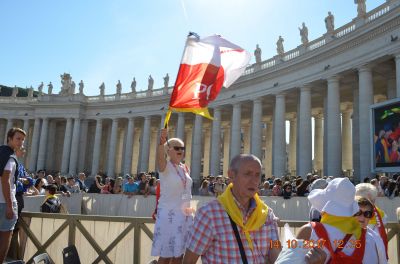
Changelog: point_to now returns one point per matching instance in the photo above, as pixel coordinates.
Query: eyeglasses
(366, 214)
(176, 148)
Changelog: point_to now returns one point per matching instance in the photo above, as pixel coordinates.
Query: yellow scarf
(255, 221)
(373, 220)
(50, 196)
(346, 224)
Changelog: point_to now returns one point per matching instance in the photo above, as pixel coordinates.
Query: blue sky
(106, 41)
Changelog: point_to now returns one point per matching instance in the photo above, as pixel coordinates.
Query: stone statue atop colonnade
(67, 85)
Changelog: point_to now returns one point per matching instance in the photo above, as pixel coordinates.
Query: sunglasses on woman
(176, 148)
(366, 214)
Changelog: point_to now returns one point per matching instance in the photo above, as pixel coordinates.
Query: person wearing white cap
(339, 233)
(379, 219)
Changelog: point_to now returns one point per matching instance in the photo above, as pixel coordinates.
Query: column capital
(317, 113)
(217, 109)
(291, 116)
(396, 56)
(333, 79)
(257, 101)
(131, 118)
(148, 117)
(236, 104)
(305, 88)
(346, 107)
(365, 68)
(280, 95)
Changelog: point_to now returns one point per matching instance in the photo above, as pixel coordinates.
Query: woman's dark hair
(37, 182)
(391, 186)
(302, 188)
(152, 181)
(52, 189)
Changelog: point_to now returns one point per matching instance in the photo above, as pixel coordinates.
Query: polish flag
(206, 66)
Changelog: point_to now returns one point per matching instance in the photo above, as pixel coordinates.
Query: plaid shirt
(213, 238)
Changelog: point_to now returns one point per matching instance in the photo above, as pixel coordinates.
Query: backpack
(51, 205)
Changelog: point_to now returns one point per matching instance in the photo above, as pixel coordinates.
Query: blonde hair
(367, 190)
(172, 142)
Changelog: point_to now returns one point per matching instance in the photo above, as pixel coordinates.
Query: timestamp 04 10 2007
(320, 243)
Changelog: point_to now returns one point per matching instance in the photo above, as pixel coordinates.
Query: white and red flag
(207, 65)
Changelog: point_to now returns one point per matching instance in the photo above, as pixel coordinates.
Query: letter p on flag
(207, 65)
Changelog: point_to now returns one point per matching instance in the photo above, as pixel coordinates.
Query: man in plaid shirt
(212, 235)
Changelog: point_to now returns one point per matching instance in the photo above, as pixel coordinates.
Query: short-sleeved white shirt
(10, 166)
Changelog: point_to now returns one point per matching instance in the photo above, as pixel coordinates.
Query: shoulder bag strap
(239, 241)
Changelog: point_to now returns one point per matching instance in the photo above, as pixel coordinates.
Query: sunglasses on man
(176, 148)
(366, 214)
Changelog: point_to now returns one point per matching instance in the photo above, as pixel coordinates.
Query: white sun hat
(336, 199)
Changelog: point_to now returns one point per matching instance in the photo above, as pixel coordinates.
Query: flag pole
(169, 112)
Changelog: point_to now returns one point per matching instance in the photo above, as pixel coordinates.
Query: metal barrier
(74, 223)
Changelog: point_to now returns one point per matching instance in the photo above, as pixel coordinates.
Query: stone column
(292, 145)
(318, 143)
(246, 137)
(43, 144)
(397, 61)
(195, 168)
(391, 88)
(136, 149)
(83, 145)
(34, 145)
(215, 156)
(129, 146)
(347, 145)
(26, 143)
(333, 129)
(268, 150)
(3, 133)
(112, 149)
(236, 142)
(256, 128)
(97, 146)
(365, 99)
(180, 128)
(73, 160)
(227, 139)
(67, 147)
(145, 150)
(51, 154)
(279, 139)
(206, 153)
(304, 141)
(356, 132)
(8, 127)
(188, 145)
(154, 139)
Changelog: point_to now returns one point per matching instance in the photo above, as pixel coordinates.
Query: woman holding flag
(174, 215)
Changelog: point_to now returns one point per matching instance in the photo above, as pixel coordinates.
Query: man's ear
(231, 174)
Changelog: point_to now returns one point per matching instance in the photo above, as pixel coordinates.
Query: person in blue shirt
(131, 188)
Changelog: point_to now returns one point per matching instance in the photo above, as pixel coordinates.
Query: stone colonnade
(121, 145)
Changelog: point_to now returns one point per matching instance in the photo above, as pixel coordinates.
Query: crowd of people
(289, 186)
(235, 227)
